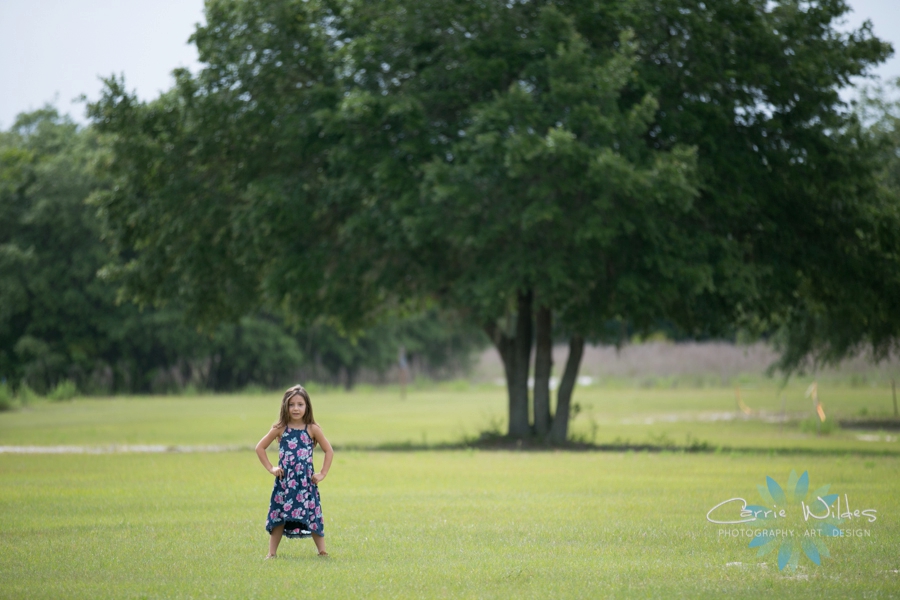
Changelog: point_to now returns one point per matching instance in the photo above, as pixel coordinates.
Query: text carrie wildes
(819, 509)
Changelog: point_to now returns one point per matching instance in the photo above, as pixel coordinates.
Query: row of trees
(59, 322)
(544, 170)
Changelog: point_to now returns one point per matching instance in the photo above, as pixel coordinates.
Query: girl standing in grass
(295, 510)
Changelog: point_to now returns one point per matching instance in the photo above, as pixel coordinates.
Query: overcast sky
(55, 50)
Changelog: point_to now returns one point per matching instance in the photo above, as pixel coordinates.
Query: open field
(454, 523)
(460, 524)
(373, 417)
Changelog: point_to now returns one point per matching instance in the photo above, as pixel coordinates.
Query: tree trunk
(351, 371)
(515, 352)
(559, 431)
(519, 426)
(543, 365)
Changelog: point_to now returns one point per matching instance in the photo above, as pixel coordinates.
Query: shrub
(26, 394)
(809, 425)
(6, 398)
(64, 390)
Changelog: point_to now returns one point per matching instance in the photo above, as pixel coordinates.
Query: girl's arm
(319, 436)
(261, 451)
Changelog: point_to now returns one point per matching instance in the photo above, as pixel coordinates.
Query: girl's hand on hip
(277, 472)
(316, 478)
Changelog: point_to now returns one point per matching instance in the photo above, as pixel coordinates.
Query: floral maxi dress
(295, 498)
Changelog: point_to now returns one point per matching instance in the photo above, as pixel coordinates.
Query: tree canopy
(59, 322)
(543, 168)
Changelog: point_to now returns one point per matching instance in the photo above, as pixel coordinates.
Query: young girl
(295, 510)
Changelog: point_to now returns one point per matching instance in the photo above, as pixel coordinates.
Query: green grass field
(370, 418)
(444, 523)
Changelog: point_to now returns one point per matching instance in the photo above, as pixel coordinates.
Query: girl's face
(297, 408)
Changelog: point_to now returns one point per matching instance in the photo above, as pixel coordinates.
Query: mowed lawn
(445, 523)
(453, 524)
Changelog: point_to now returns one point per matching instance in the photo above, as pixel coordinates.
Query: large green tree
(526, 163)
(47, 317)
(551, 198)
(801, 240)
(58, 321)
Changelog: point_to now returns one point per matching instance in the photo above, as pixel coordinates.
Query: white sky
(55, 50)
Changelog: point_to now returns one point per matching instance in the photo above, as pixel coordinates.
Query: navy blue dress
(295, 498)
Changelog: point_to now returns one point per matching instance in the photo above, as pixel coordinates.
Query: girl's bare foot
(322, 553)
(268, 556)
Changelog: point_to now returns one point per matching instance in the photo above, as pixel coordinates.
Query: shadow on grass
(491, 440)
(885, 424)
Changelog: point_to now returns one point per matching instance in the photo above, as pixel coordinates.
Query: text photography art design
(795, 522)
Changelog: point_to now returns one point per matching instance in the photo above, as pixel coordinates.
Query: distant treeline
(60, 321)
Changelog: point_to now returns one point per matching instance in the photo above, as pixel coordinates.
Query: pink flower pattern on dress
(295, 457)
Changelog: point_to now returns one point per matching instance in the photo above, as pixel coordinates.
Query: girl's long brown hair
(285, 416)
